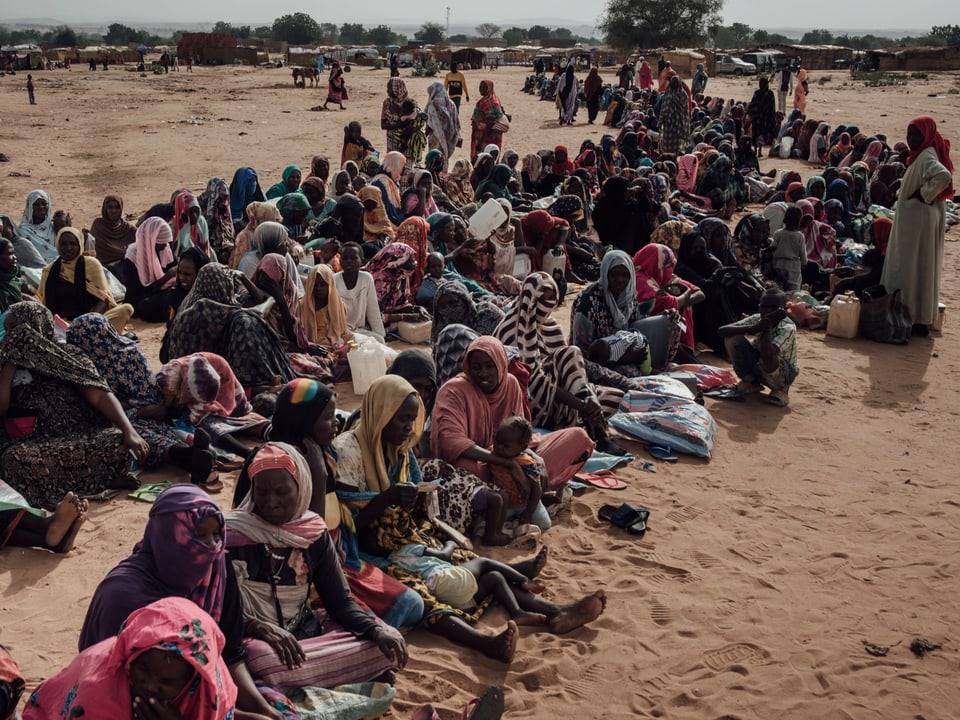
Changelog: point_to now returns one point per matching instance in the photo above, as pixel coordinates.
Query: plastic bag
(680, 424)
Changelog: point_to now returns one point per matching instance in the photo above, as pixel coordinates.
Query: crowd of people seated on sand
(666, 238)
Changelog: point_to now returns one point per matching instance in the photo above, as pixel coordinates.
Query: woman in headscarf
(35, 233)
(11, 290)
(244, 189)
(376, 224)
(724, 187)
(188, 266)
(458, 187)
(763, 116)
(751, 239)
(592, 91)
(453, 304)
(914, 259)
(148, 269)
(114, 234)
(417, 200)
(322, 310)
(393, 270)
(657, 291)
(269, 237)
(567, 95)
(624, 218)
(120, 678)
(289, 183)
(839, 150)
(483, 165)
(391, 114)
(74, 284)
(443, 121)
(294, 207)
(496, 185)
(212, 320)
(72, 411)
(285, 552)
(674, 118)
(256, 212)
(800, 90)
(387, 181)
(189, 226)
(336, 87)
(278, 280)
(819, 238)
(818, 145)
(215, 203)
(489, 120)
(699, 83)
(559, 393)
(125, 369)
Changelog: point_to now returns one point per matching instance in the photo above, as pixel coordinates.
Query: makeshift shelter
(911, 59)
(468, 57)
(684, 62)
(815, 57)
(195, 44)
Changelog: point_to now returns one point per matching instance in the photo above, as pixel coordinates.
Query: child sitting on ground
(463, 586)
(522, 486)
(411, 135)
(355, 146)
(431, 281)
(770, 359)
(789, 250)
(624, 347)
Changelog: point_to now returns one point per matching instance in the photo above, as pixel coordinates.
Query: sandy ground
(812, 530)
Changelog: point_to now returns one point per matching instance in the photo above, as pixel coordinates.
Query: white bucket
(488, 218)
(367, 363)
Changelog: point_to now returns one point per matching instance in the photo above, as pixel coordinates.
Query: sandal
(662, 452)
(213, 484)
(625, 516)
(602, 479)
(488, 706)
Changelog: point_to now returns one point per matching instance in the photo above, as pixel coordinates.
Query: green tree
(382, 35)
(329, 33)
(119, 34)
(297, 28)
(487, 30)
(430, 33)
(64, 36)
(514, 36)
(628, 24)
(352, 34)
(562, 33)
(817, 37)
(458, 39)
(948, 34)
(763, 38)
(21, 37)
(264, 32)
(538, 32)
(742, 34)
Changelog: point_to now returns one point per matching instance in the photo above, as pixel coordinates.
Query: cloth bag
(884, 317)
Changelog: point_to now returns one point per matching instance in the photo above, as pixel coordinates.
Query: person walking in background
(33, 99)
(456, 85)
(784, 80)
(592, 90)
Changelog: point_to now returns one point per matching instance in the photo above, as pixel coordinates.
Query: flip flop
(149, 492)
(662, 452)
(213, 484)
(604, 479)
(488, 706)
(624, 516)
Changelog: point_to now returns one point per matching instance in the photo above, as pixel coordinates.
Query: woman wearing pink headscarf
(148, 268)
(659, 291)
(800, 91)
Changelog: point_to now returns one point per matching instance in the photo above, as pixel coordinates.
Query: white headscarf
(42, 236)
(621, 307)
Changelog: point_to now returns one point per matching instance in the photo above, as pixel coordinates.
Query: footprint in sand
(660, 613)
(739, 653)
(705, 561)
(757, 553)
(585, 685)
(684, 514)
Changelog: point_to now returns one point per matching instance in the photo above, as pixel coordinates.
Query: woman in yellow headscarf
(75, 284)
(256, 212)
(322, 312)
(376, 222)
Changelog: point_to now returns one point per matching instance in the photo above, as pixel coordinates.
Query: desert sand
(811, 531)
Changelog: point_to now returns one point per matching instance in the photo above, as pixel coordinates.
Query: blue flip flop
(662, 452)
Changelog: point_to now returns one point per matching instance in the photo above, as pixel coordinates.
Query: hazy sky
(876, 14)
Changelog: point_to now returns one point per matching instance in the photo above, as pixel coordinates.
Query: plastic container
(844, 318)
(786, 145)
(522, 266)
(415, 333)
(555, 259)
(367, 363)
(941, 316)
(488, 218)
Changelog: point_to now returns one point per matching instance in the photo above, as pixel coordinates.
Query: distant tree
(817, 37)
(352, 34)
(538, 32)
(948, 34)
(63, 36)
(430, 33)
(458, 39)
(382, 35)
(329, 33)
(487, 30)
(21, 37)
(119, 34)
(264, 32)
(561, 33)
(628, 24)
(858, 42)
(177, 35)
(514, 36)
(742, 34)
(297, 28)
(224, 28)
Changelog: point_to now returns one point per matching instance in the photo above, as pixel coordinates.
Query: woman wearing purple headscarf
(182, 554)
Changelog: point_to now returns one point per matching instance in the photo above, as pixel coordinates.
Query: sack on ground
(681, 424)
(884, 317)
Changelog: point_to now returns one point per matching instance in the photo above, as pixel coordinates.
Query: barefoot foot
(69, 540)
(580, 613)
(503, 646)
(496, 539)
(532, 568)
(62, 518)
(529, 618)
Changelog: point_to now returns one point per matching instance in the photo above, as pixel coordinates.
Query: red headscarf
(931, 138)
(654, 264)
